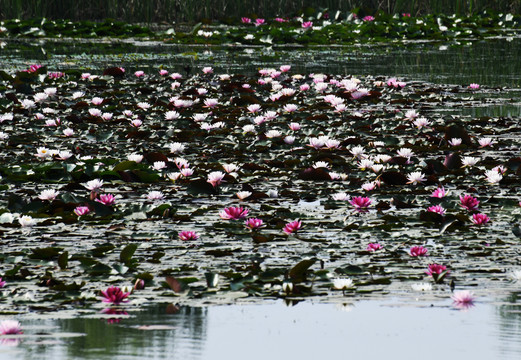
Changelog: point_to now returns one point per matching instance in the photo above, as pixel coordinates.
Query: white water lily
(421, 287)
(343, 283)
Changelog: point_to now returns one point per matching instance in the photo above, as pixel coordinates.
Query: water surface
(429, 328)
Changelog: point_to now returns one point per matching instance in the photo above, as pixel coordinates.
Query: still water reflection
(363, 330)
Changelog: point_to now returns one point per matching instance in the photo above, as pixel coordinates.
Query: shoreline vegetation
(227, 11)
(321, 28)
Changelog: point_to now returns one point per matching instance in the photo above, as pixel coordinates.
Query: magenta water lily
(115, 295)
(292, 227)
(233, 213)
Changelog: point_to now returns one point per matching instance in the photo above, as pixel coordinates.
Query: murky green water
(428, 328)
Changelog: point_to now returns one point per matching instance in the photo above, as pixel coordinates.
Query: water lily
(48, 195)
(115, 295)
(374, 247)
(463, 299)
(493, 176)
(42, 152)
(254, 223)
(469, 202)
(143, 105)
(155, 195)
(437, 271)
(358, 152)
(135, 157)
(26, 221)
(159, 165)
(243, 194)
(341, 196)
(416, 177)
(215, 178)
(172, 115)
(188, 235)
(343, 283)
(439, 193)
(177, 147)
(455, 142)
(411, 114)
(469, 161)
(484, 142)
(94, 185)
(106, 199)
(421, 287)
(97, 101)
(10, 327)
(421, 122)
(233, 213)
(230, 168)
(292, 227)
(360, 203)
(81, 210)
(290, 108)
(186, 172)
(438, 209)
(369, 186)
(95, 112)
(418, 251)
(480, 219)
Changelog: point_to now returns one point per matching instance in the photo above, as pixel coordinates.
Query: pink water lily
(233, 213)
(480, 219)
(106, 199)
(463, 299)
(436, 269)
(81, 210)
(114, 295)
(215, 178)
(292, 227)
(374, 247)
(188, 235)
(254, 223)
(360, 203)
(417, 251)
(439, 193)
(10, 327)
(469, 202)
(438, 209)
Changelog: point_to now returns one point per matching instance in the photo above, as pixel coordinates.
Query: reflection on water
(510, 325)
(364, 330)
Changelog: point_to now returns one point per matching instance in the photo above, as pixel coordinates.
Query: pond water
(427, 328)
(491, 63)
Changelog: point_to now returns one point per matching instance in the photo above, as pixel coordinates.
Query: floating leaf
(127, 252)
(298, 272)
